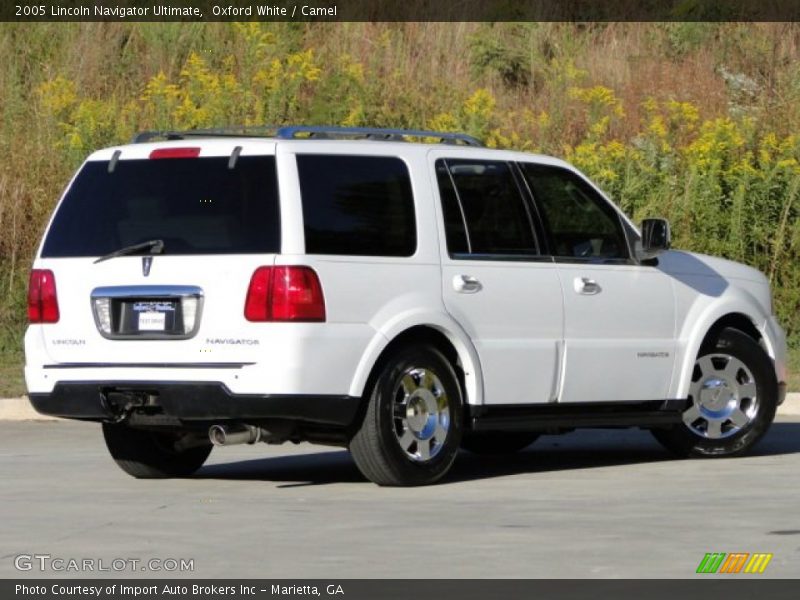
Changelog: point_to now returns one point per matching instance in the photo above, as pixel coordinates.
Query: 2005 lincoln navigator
(402, 299)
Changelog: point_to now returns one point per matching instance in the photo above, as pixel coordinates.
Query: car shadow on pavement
(587, 449)
(313, 468)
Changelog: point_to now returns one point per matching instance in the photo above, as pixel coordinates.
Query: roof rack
(292, 132)
(375, 133)
(237, 132)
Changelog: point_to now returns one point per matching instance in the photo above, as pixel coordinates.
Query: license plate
(152, 321)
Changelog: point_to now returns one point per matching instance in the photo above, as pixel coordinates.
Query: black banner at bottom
(729, 588)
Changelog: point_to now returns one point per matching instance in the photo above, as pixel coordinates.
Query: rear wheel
(733, 397)
(154, 455)
(411, 431)
(498, 442)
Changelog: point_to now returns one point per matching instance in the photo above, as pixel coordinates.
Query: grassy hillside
(693, 121)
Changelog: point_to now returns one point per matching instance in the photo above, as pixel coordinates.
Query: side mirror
(656, 237)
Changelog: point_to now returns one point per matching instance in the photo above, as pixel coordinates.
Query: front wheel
(155, 455)
(412, 427)
(732, 399)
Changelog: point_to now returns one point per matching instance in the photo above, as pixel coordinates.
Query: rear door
(213, 212)
(619, 328)
(496, 281)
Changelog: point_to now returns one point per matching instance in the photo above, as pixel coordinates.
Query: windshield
(195, 205)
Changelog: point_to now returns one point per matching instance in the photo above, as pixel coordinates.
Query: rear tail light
(42, 297)
(256, 305)
(284, 294)
(296, 295)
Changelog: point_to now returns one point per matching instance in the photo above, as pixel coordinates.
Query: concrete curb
(19, 409)
(790, 406)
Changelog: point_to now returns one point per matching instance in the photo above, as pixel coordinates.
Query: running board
(548, 417)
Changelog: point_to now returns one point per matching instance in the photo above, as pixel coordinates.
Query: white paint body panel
(526, 337)
(515, 322)
(620, 341)
(707, 289)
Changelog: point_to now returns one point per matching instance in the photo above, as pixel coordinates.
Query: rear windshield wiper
(154, 246)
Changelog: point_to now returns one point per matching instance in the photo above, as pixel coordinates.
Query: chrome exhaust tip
(226, 435)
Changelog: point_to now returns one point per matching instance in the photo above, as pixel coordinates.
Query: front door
(619, 327)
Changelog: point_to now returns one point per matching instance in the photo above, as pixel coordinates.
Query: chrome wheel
(421, 413)
(412, 427)
(723, 396)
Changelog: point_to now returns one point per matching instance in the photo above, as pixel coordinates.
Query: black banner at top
(399, 10)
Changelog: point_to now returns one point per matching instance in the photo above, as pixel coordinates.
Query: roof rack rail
(291, 132)
(375, 133)
(238, 131)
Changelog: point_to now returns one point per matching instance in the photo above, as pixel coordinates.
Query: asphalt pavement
(588, 504)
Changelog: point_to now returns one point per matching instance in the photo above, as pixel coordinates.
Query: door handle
(586, 286)
(466, 284)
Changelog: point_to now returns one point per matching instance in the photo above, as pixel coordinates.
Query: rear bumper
(207, 401)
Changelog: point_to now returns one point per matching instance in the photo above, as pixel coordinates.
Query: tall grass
(692, 121)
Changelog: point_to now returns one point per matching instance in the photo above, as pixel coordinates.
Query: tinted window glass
(581, 223)
(497, 219)
(357, 205)
(195, 205)
(455, 231)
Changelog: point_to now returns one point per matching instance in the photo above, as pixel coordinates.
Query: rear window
(195, 205)
(357, 205)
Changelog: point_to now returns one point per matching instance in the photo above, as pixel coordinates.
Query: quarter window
(581, 223)
(484, 210)
(357, 205)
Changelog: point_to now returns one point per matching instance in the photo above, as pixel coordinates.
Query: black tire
(152, 455)
(498, 443)
(376, 446)
(684, 441)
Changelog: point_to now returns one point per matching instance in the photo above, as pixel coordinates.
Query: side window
(357, 205)
(454, 225)
(580, 222)
(484, 210)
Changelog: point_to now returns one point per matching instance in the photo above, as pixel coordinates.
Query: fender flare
(698, 324)
(444, 324)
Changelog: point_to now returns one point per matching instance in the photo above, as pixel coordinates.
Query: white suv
(403, 299)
